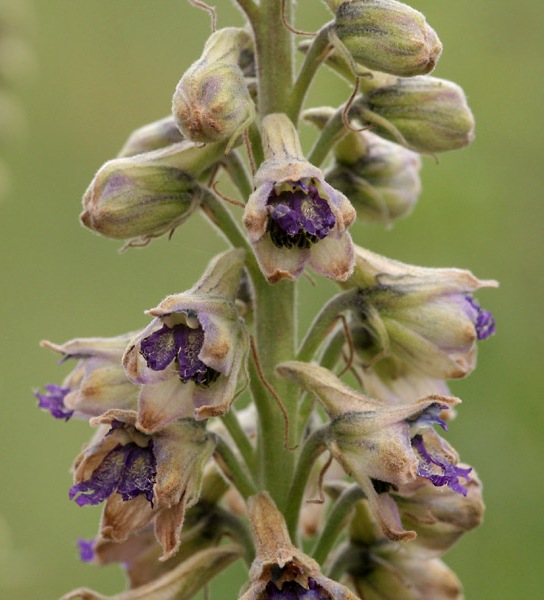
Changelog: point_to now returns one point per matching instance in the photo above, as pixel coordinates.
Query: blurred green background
(104, 67)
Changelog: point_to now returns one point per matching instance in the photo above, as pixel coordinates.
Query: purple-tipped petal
(128, 469)
(86, 549)
(438, 470)
(53, 401)
(298, 217)
(291, 590)
(484, 322)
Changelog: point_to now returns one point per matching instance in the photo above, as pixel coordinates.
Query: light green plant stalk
(220, 416)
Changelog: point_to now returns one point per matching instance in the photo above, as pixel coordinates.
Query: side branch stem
(313, 447)
(229, 464)
(316, 55)
(336, 521)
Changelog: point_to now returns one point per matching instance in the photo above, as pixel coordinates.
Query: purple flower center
(484, 322)
(53, 401)
(291, 590)
(437, 469)
(182, 344)
(128, 469)
(298, 216)
(86, 550)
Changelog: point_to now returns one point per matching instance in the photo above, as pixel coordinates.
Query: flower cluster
(215, 419)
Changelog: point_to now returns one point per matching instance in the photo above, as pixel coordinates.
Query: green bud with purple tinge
(211, 102)
(425, 114)
(386, 36)
(144, 196)
(380, 178)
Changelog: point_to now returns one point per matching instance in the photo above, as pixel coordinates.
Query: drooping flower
(97, 383)
(281, 571)
(425, 317)
(294, 217)
(374, 440)
(189, 359)
(143, 479)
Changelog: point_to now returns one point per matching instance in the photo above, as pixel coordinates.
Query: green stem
(333, 131)
(313, 447)
(317, 53)
(238, 174)
(274, 55)
(343, 561)
(250, 8)
(239, 530)
(322, 323)
(228, 462)
(275, 342)
(328, 359)
(239, 437)
(336, 522)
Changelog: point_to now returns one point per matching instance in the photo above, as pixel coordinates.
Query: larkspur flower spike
(294, 217)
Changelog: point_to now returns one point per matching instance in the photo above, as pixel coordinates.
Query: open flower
(97, 383)
(281, 571)
(382, 445)
(189, 358)
(142, 478)
(294, 216)
(425, 317)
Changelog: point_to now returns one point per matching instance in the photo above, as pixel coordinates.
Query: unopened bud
(211, 102)
(144, 196)
(425, 114)
(152, 136)
(380, 178)
(386, 36)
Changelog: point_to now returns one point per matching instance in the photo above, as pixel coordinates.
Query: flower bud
(211, 102)
(386, 36)
(144, 196)
(152, 136)
(380, 178)
(425, 114)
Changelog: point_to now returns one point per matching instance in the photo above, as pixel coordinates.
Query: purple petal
(189, 342)
(299, 217)
(484, 322)
(438, 470)
(159, 349)
(53, 401)
(86, 549)
(139, 474)
(130, 470)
